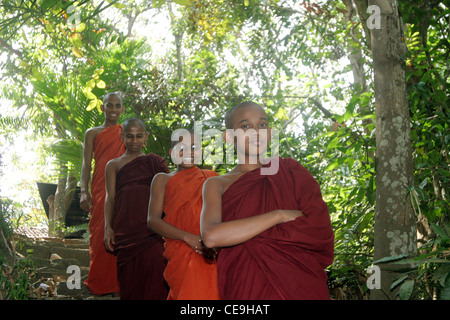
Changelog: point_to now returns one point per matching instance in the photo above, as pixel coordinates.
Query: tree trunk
(354, 52)
(395, 222)
(60, 203)
(5, 249)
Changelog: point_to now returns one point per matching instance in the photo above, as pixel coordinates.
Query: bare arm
(110, 187)
(155, 211)
(216, 233)
(88, 150)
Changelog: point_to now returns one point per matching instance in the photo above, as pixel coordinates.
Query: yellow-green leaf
(119, 5)
(36, 74)
(90, 84)
(281, 114)
(43, 53)
(80, 27)
(181, 2)
(331, 166)
(90, 95)
(24, 64)
(76, 51)
(101, 84)
(333, 144)
(158, 3)
(92, 105)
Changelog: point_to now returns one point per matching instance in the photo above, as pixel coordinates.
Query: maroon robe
(140, 261)
(288, 260)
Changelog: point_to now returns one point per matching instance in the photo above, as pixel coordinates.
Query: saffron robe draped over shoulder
(188, 274)
(140, 261)
(288, 260)
(102, 277)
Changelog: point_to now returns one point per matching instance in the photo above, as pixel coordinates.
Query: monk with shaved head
(102, 144)
(140, 261)
(272, 227)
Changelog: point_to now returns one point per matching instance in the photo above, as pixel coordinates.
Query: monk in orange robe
(103, 143)
(188, 273)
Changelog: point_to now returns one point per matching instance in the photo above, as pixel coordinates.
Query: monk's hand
(210, 254)
(195, 242)
(289, 215)
(85, 201)
(109, 239)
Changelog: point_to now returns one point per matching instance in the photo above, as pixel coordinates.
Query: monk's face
(134, 139)
(188, 152)
(113, 108)
(251, 130)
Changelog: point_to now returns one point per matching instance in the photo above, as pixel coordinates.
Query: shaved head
(108, 95)
(230, 113)
(133, 122)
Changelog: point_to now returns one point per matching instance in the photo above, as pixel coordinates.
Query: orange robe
(187, 273)
(102, 277)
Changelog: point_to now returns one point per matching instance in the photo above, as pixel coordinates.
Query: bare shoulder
(161, 178)
(112, 164)
(217, 183)
(91, 133)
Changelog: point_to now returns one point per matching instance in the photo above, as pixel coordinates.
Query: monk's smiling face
(187, 153)
(251, 130)
(134, 138)
(112, 107)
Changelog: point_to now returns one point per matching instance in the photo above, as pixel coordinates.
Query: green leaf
(119, 5)
(441, 274)
(77, 52)
(181, 2)
(158, 3)
(445, 293)
(390, 258)
(332, 165)
(406, 290)
(37, 75)
(24, 64)
(423, 183)
(439, 231)
(44, 53)
(333, 144)
(398, 281)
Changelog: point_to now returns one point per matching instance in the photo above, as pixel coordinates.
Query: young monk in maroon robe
(274, 229)
(179, 196)
(103, 143)
(140, 261)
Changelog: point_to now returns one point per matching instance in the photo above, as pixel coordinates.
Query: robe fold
(188, 274)
(288, 260)
(140, 261)
(102, 277)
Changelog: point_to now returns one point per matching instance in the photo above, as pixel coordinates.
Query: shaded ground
(60, 265)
